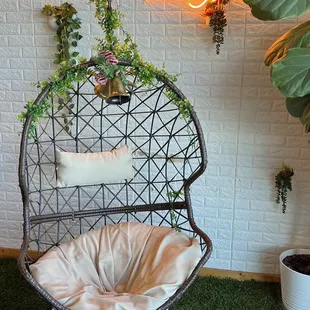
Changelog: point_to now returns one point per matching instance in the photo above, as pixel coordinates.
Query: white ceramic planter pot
(295, 286)
(51, 21)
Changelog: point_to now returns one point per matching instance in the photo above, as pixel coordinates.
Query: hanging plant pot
(51, 21)
(295, 286)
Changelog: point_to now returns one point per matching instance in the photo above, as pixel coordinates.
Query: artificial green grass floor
(206, 293)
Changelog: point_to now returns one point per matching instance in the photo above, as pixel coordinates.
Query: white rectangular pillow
(93, 168)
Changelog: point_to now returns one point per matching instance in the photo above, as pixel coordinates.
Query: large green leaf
(305, 118)
(291, 73)
(277, 9)
(299, 36)
(307, 128)
(296, 106)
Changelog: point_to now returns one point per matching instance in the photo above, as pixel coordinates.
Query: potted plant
(294, 264)
(289, 59)
(64, 21)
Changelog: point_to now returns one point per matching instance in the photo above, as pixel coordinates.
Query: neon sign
(202, 3)
(197, 6)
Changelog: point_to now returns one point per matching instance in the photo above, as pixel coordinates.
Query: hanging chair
(142, 227)
(105, 182)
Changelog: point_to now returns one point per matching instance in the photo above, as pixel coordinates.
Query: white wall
(248, 131)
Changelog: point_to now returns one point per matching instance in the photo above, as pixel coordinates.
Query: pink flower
(109, 56)
(101, 78)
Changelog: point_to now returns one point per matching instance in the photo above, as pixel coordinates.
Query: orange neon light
(199, 5)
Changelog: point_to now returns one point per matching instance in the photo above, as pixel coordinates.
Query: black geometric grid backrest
(166, 152)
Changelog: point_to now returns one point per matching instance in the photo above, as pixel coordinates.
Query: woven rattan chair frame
(47, 222)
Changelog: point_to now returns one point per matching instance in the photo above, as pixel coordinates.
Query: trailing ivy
(67, 35)
(184, 106)
(125, 50)
(58, 85)
(283, 182)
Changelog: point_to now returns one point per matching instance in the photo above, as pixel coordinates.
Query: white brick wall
(247, 129)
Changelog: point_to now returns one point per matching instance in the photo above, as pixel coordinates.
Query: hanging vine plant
(103, 67)
(67, 37)
(215, 9)
(67, 34)
(283, 183)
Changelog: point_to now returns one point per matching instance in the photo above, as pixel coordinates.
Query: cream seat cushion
(121, 267)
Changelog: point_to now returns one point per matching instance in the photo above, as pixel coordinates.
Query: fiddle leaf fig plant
(291, 73)
(298, 36)
(289, 56)
(277, 9)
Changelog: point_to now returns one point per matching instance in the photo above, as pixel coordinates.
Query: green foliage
(37, 111)
(277, 9)
(184, 106)
(67, 35)
(296, 106)
(215, 10)
(289, 56)
(291, 73)
(126, 50)
(298, 36)
(283, 182)
(111, 20)
(305, 117)
(174, 221)
(218, 23)
(175, 194)
(59, 83)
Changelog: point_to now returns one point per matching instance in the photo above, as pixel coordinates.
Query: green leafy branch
(183, 105)
(289, 56)
(125, 50)
(58, 84)
(67, 35)
(147, 74)
(174, 195)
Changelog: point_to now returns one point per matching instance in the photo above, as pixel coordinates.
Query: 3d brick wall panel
(248, 131)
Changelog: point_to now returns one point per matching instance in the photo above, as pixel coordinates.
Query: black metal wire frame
(169, 155)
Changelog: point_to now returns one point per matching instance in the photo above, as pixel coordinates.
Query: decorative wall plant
(67, 37)
(289, 56)
(283, 183)
(215, 10)
(67, 34)
(64, 78)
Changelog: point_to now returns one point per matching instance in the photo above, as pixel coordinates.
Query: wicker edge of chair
(22, 259)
